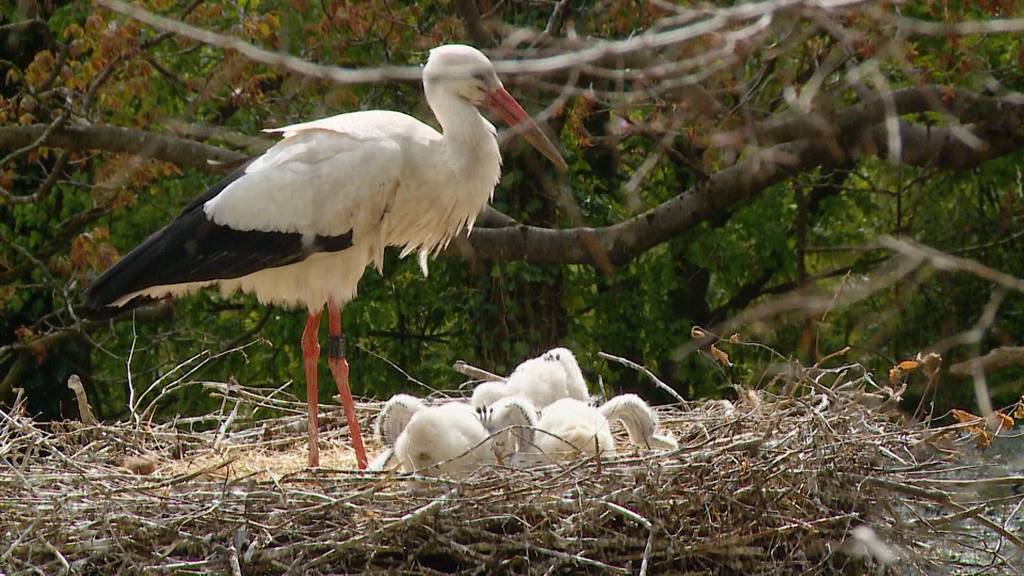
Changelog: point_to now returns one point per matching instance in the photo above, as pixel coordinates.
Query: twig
(128, 370)
(236, 568)
(84, 410)
(657, 381)
(557, 18)
(644, 563)
(768, 489)
(947, 262)
(596, 51)
(408, 376)
(476, 373)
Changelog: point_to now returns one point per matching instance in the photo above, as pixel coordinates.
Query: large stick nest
(823, 477)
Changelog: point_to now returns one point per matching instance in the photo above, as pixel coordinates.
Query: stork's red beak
(504, 105)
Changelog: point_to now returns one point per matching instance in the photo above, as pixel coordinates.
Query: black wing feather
(192, 248)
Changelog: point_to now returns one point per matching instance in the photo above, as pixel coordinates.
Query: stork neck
(468, 139)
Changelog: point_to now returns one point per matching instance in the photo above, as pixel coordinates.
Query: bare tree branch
(993, 26)
(997, 359)
(557, 19)
(47, 130)
(993, 118)
(43, 189)
(810, 300)
(290, 63)
(943, 261)
(965, 107)
(654, 39)
(153, 313)
(629, 238)
(729, 188)
(180, 151)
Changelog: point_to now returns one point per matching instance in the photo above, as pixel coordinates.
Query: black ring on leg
(336, 346)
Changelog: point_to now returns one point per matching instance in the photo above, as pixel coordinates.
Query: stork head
(487, 393)
(463, 72)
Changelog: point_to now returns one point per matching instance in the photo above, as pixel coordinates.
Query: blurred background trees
(733, 166)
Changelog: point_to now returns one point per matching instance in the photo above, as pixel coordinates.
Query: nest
(823, 477)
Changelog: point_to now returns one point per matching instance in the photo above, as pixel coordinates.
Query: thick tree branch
(180, 151)
(999, 127)
(24, 27)
(997, 359)
(998, 124)
(491, 217)
(629, 238)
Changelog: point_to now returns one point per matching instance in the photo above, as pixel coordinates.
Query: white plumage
(512, 422)
(385, 176)
(451, 439)
(447, 440)
(569, 427)
(542, 380)
(393, 418)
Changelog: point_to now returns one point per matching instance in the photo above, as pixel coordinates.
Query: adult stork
(298, 225)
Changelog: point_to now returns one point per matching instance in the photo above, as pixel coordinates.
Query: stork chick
(450, 439)
(512, 422)
(393, 418)
(569, 427)
(541, 380)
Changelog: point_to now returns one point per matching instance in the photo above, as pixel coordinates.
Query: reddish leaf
(963, 416)
(719, 356)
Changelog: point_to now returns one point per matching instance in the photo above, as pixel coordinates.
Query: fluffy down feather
(542, 380)
(569, 428)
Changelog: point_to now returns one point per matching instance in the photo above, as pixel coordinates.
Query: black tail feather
(192, 248)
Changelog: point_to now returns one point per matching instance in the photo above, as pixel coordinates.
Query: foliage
(810, 230)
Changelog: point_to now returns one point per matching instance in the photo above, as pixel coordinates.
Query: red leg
(310, 354)
(339, 368)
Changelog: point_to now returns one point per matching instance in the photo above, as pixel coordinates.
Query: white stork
(298, 225)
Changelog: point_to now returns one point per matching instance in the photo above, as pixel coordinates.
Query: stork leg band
(336, 346)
